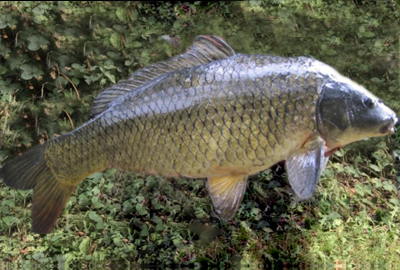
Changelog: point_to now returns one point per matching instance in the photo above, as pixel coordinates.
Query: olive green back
(230, 115)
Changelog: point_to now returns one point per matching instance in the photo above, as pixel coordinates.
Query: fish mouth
(388, 127)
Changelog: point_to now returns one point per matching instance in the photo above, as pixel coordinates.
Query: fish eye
(369, 103)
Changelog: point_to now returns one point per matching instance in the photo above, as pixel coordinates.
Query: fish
(207, 113)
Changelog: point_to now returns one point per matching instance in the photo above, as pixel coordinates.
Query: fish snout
(388, 124)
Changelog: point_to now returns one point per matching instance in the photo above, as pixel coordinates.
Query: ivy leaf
(36, 42)
(16, 61)
(7, 20)
(3, 70)
(4, 50)
(29, 72)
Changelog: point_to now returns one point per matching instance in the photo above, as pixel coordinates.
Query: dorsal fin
(204, 49)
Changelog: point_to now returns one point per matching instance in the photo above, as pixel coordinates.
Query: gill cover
(347, 112)
(332, 112)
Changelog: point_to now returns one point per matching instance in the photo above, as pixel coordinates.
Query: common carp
(208, 113)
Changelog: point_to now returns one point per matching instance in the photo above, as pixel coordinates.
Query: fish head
(347, 112)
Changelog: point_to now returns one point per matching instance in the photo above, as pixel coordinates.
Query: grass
(117, 218)
(122, 220)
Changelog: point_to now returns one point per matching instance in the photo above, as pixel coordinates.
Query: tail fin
(49, 195)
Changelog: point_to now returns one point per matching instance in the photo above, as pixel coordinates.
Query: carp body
(209, 113)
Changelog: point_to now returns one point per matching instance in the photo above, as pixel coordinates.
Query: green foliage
(56, 56)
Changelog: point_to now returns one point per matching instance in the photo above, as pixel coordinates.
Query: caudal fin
(29, 171)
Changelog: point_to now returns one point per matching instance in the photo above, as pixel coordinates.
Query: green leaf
(29, 72)
(117, 241)
(160, 227)
(177, 241)
(144, 232)
(84, 246)
(375, 167)
(369, 34)
(40, 257)
(389, 186)
(359, 189)
(121, 14)
(330, 52)
(110, 76)
(376, 80)
(95, 217)
(115, 40)
(7, 20)
(96, 190)
(9, 203)
(36, 42)
(127, 207)
(395, 201)
(75, 81)
(83, 200)
(3, 70)
(136, 44)
(4, 50)
(9, 220)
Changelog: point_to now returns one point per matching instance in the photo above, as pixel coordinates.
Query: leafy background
(56, 56)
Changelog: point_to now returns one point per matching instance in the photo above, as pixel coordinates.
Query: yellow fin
(30, 171)
(226, 193)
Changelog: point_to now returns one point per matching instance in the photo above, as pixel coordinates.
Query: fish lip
(388, 128)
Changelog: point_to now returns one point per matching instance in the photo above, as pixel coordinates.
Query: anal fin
(227, 193)
(49, 199)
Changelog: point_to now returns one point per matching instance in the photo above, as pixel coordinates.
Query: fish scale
(208, 113)
(242, 121)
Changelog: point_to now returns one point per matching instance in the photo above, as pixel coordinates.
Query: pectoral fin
(226, 193)
(304, 168)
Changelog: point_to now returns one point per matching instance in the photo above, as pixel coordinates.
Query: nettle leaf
(7, 20)
(36, 42)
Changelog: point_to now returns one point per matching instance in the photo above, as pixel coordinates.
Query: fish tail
(30, 171)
